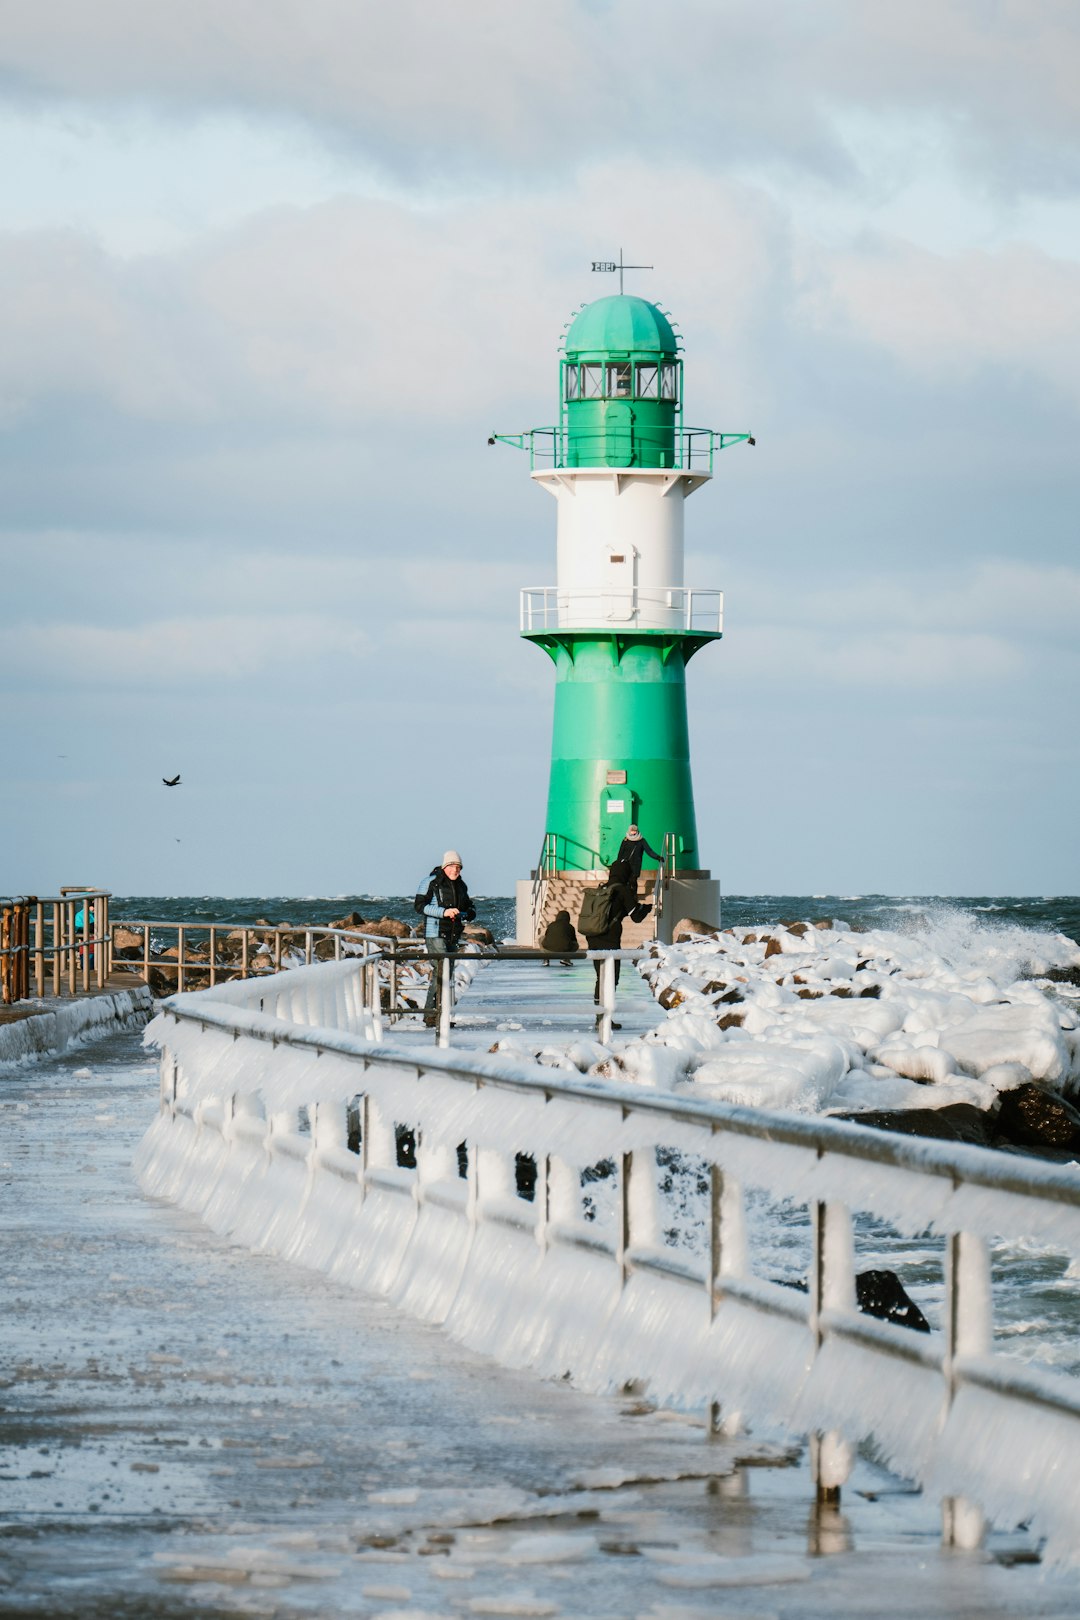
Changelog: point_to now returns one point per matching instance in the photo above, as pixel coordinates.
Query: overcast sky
(270, 273)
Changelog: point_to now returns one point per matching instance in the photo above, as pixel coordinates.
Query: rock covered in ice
(815, 1015)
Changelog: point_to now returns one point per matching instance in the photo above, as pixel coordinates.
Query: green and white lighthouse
(620, 624)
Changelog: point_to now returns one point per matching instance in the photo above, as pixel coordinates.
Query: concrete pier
(190, 1428)
(48, 1025)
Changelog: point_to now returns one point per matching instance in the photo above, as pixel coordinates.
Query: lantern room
(621, 386)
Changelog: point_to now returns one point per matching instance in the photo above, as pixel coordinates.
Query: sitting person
(559, 936)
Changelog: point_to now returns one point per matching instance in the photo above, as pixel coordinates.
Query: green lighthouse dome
(620, 394)
(620, 324)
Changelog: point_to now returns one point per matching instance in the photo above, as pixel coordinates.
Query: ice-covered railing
(287, 1133)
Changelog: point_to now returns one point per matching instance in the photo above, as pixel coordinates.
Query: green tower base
(620, 750)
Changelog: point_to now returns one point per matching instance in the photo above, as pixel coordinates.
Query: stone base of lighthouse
(686, 894)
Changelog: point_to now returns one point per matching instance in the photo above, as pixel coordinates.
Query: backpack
(599, 910)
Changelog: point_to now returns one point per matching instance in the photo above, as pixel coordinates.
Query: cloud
(1021, 601)
(204, 650)
(436, 93)
(1016, 309)
(865, 661)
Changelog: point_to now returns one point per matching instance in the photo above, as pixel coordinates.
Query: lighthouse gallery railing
(633, 607)
(948, 1409)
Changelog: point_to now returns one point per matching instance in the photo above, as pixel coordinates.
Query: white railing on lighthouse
(254, 1134)
(639, 607)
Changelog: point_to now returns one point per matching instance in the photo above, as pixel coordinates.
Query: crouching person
(559, 937)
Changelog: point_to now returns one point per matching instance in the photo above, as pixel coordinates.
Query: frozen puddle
(188, 1428)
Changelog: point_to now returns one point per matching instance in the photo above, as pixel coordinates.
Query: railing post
(18, 956)
(393, 978)
(180, 933)
(5, 959)
(607, 998)
(39, 950)
(365, 1122)
(70, 942)
(375, 998)
(727, 1258)
(99, 933)
(245, 955)
(307, 947)
(472, 1201)
(25, 974)
(57, 941)
(968, 1332)
(277, 950)
(832, 1288)
(542, 1196)
(87, 935)
(107, 932)
(22, 942)
(213, 954)
(446, 969)
(167, 1101)
(624, 1236)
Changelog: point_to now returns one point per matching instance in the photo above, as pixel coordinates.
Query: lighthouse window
(618, 380)
(573, 383)
(592, 382)
(668, 389)
(647, 382)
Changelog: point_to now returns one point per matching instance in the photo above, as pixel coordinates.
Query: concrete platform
(553, 1003)
(49, 1025)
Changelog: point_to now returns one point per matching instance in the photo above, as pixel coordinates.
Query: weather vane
(610, 265)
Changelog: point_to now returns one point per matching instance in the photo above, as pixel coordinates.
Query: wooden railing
(52, 945)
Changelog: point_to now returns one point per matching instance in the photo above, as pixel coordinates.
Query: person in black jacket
(444, 903)
(559, 936)
(624, 900)
(633, 850)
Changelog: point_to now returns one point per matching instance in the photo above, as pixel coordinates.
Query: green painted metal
(620, 706)
(620, 386)
(695, 449)
(620, 324)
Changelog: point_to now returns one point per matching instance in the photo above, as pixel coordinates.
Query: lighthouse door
(619, 434)
(617, 811)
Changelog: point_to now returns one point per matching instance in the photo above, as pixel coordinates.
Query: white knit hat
(451, 858)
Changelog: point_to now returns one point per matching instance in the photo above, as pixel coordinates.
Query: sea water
(904, 913)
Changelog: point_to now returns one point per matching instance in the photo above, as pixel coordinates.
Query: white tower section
(619, 553)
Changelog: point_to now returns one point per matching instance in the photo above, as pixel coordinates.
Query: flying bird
(171, 781)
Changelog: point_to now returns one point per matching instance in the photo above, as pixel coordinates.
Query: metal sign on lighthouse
(620, 624)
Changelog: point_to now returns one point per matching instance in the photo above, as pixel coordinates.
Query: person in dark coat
(619, 879)
(559, 936)
(633, 850)
(444, 903)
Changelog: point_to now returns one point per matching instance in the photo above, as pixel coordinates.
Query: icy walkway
(190, 1429)
(553, 1003)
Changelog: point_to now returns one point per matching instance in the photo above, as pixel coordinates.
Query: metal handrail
(822, 1163)
(664, 872)
(690, 449)
(696, 609)
(545, 866)
(375, 948)
(220, 968)
(36, 930)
